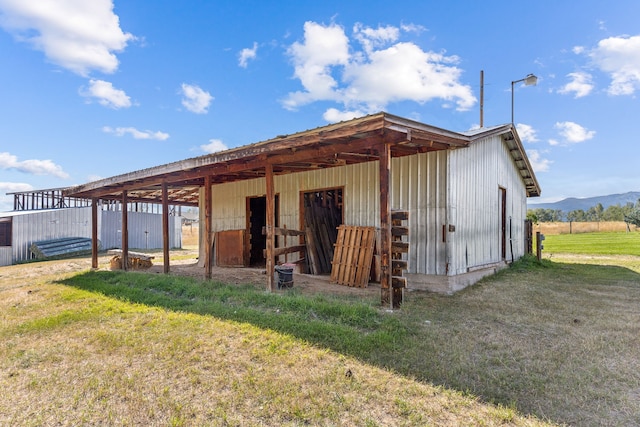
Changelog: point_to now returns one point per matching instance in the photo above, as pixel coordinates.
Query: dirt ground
(305, 283)
(185, 263)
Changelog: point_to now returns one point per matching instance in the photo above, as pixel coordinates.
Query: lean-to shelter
(461, 197)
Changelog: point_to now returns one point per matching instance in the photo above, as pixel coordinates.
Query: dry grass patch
(75, 357)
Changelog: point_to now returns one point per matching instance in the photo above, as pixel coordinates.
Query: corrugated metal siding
(476, 174)
(110, 230)
(6, 255)
(76, 222)
(418, 185)
(33, 227)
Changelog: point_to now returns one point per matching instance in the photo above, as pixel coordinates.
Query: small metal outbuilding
(463, 193)
(20, 229)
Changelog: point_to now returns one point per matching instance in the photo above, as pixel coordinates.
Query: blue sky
(94, 89)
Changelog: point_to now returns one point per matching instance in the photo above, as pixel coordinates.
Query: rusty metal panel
(229, 248)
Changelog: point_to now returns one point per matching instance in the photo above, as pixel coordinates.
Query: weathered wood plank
(397, 231)
(400, 215)
(399, 247)
(284, 232)
(288, 250)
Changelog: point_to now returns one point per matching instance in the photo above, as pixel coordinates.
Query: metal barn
(20, 229)
(462, 198)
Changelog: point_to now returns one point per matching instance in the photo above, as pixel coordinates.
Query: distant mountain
(572, 203)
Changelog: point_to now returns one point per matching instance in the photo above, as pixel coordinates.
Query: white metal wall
(476, 174)
(35, 226)
(46, 225)
(418, 185)
(145, 230)
(6, 256)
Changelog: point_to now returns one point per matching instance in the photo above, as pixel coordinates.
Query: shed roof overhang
(355, 141)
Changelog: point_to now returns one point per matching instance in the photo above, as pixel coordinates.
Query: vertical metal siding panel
(477, 173)
(419, 186)
(6, 256)
(111, 229)
(37, 226)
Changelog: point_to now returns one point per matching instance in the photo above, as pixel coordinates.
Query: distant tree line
(629, 213)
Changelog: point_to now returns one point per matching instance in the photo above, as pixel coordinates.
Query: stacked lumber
(398, 250)
(322, 217)
(353, 256)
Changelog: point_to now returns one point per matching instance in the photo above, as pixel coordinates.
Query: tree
(577, 215)
(633, 218)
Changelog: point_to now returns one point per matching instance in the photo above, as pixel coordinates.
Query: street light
(530, 80)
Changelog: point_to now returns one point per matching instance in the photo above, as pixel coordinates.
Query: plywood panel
(229, 248)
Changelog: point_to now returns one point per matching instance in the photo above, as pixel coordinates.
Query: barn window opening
(5, 231)
(323, 214)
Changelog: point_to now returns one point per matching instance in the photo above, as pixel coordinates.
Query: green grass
(556, 340)
(103, 348)
(343, 325)
(609, 243)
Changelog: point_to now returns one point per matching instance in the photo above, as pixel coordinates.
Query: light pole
(530, 80)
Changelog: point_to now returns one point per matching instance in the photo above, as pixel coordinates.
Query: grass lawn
(553, 340)
(603, 243)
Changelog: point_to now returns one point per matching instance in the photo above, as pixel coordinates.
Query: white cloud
(371, 38)
(573, 132)
(36, 167)
(78, 35)
(537, 162)
(213, 146)
(195, 99)
(14, 187)
(106, 94)
(136, 134)
(527, 133)
(385, 70)
(246, 54)
(581, 84)
(92, 178)
(6, 202)
(554, 142)
(333, 115)
(620, 58)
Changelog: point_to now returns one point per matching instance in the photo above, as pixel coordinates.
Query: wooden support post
(165, 227)
(271, 221)
(538, 245)
(208, 256)
(94, 233)
(385, 226)
(125, 233)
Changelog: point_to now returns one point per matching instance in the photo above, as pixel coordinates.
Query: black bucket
(284, 274)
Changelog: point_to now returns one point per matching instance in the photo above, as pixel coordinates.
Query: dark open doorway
(256, 220)
(503, 223)
(322, 216)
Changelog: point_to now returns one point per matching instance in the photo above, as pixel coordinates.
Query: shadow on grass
(346, 325)
(503, 339)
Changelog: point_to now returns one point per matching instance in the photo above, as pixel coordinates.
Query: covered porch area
(375, 138)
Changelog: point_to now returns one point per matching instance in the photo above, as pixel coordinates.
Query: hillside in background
(573, 203)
